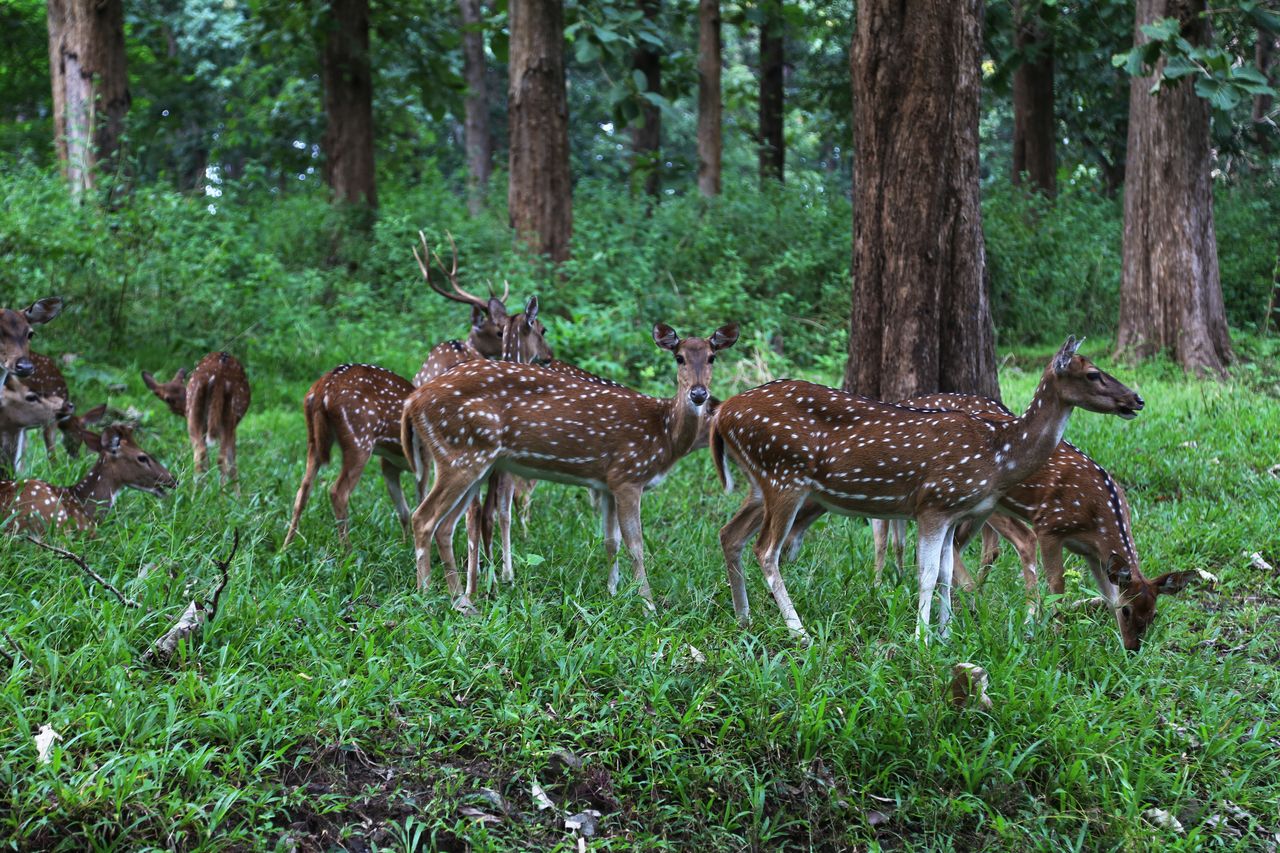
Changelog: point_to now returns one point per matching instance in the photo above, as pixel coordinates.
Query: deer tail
(717, 456)
(319, 436)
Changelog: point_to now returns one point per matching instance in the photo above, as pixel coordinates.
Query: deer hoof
(464, 606)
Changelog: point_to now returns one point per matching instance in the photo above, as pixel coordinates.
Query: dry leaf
(583, 822)
(1164, 820)
(968, 680)
(696, 656)
(478, 815)
(540, 798)
(1256, 560)
(44, 742)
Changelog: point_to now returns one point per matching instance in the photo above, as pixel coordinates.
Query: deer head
(173, 392)
(1136, 608)
(1082, 383)
(21, 408)
(16, 334)
(694, 357)
(124, 463)
(524, 336)
(488, 315)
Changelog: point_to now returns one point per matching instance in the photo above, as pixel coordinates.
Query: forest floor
(330, 705)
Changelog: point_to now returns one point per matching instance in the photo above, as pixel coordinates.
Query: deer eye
(32, 396)
(1127, 612)
(31, 334)
(711, 359)
(1094, 376)
(143, 459)
(679, 359)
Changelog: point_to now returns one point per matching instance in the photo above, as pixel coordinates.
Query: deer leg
(391, 475)
(990, 544)
(353, 462)
(49, 433)
(506, 494)
(808, 514)
(932, 534)
(1024, 542)
(946, 565)
(196, 434)
(450, 489)
(733, 539)
(444, 544)
(962, 535)
(612, 535)
(524, 495)
(898, 538)
(304, 494)
(1051, 552)
(627, 500)
(776, 523)
(880, 539)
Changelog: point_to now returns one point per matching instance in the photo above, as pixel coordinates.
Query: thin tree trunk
(540, 195)
(920, 320)
(476, 124)
(348, 104)
(1264, 54)
(1170, 293)
(90, 85)
(646, 137)
(1033, 120)
(772, 145)
(709, 104)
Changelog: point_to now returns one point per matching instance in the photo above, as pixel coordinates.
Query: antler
(458, 294)
(506, 289)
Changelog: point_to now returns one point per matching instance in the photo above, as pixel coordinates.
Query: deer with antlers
(37, 506)
(856, 456)
(1070, 502)
(532, 422)
(213, 401)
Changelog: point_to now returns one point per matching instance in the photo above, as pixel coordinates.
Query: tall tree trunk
(1033, 121)
(90, 85)
(348, 104)
(772, 145)
(1170, 293)
(920, 321)
(709, 105)
(646, 137)
(540, 195)
(1264, 54)
(476, 124)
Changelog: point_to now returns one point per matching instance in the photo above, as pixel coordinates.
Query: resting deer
(213, 401)
(532, 422)
(856, 456)
(23, 409)
(36, 505)
(1072, 502)
(48, 381)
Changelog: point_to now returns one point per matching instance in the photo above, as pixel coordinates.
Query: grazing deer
(856, 456)
(16, 334)
(489, 319)
(358, 406)
(532, 422)
(213, 401)
(36, 505)
(1072, 502)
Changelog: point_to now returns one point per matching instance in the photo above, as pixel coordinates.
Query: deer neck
(1025, 443)
(95, 491)
(683, 423)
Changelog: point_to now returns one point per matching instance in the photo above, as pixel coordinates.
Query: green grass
(331, 704)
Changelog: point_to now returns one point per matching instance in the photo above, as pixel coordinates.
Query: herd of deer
(497, 409)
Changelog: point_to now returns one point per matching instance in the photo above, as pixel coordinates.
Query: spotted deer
(489, 318)
(525, 420)
(48, 381)
(16, 334)
(23, 409)
(1071, 501)
(213, 400)
(37, 506)
(856, 456)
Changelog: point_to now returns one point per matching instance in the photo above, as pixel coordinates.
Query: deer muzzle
(23, 368)
(698, 394)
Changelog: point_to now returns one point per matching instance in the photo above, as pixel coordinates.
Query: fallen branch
(79, 561)
(17, 648)
(197, 614)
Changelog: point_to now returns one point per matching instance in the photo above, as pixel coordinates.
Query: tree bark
(1264, 53)
(540, 195)
(646, 136)
(772, 145)
(90, 85)
(709, 104)
(1033, 104)
(348, 104)
(1170, 293)
(476, 107)
(921, 320)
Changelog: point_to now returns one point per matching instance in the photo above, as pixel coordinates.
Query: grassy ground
(330, 704)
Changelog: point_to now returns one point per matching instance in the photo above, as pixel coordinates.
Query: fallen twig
(79, 561)
(17, 648)
(197, 614)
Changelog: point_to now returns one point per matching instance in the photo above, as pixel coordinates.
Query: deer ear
(1171, 583)
(43, 310)
(1118, 572)
(665, 336)
(94, 414)
(724, 337)
(531, 311)
(149, 380)
(181, 375)
(478, 316)
(92, 440)
(1062, 361)
(111, 440)
(497, 311)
